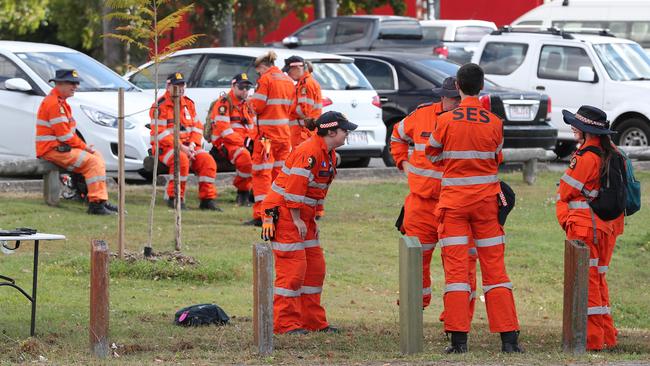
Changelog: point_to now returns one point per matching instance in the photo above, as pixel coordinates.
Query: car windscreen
(624, 61)
(94, 76)
(440, 69)
(339, 76)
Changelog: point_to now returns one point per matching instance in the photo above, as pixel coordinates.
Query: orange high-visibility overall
(191, 133)
(272, 104)
(232, 122)
(424, 185)
(468, 140)
(306, 104)
(56, 127)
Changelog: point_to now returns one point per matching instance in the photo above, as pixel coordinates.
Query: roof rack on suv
(565, 33)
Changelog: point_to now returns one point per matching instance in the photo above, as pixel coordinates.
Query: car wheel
(633, 132)
(385, 155)
(565, 148)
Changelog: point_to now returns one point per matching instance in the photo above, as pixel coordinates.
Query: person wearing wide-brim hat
(579, 185)
(57, 142)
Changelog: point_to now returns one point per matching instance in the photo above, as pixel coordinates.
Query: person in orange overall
(232, 124)
(579, 184)
(468, 141)
(272, 143)
(192, 156)
(57, 142)
(299, 190)
(307, 103)
(424, 180)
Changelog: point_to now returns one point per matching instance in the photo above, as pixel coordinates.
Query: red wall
(501, 12)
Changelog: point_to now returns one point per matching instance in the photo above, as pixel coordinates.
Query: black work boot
(111, 207)
(98, 208)
(330, 329)
(170, 204)
(458, 343)
(242, 198)
(209, 205)
(298, 331)
(509, 342)
(254, 222)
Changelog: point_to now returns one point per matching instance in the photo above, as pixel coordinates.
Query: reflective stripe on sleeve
(419, 147)
(301, 172)
(278, 101)
(263, 166)
(430, 173)
(572, 182)
(402, 134)
(54, 121)
(65, 137)
(226, 132)
(434, 143)
(163, 134)
(318, 185)
(278, 163)
(507, 285)
(467, 181)
(40, 122)
(45, 138)
(259, 96)
(306, 100)
(242, 174)
(260, 197)
(221, 119)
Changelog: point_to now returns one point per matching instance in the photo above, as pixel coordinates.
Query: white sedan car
(25, 69)
(209, 72)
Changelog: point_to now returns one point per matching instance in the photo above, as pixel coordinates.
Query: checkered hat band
(589, 121)
(329, 124)
(296, 63)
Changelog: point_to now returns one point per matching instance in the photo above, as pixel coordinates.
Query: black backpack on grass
(612, 195)
(201, 314)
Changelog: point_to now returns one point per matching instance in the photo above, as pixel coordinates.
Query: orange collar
(304, 77)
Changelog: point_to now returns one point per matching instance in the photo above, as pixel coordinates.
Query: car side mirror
(586, 74)
(17, 84)
(291, 42)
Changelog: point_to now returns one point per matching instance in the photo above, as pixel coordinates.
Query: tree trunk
(331, 8)
(226, 37)
(319, 9)
(111, 47)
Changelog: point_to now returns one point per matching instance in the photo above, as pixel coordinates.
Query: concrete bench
(637, 152)
(36, 167)
(529, 157)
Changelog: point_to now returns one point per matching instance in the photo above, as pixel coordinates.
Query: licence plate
(520, 113)
(357, 138)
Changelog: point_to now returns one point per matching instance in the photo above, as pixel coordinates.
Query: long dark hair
(608, 152)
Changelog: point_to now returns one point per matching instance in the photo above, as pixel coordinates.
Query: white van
(624, 18)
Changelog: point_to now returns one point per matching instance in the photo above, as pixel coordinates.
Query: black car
(404, 81)
(361, 33)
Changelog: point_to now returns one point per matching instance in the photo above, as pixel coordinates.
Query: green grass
(361, 287)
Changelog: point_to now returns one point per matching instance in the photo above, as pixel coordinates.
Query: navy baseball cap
(331, 120)
(68, 75)
(242, 79)
(176, 78)
(447, 89)
(293, 61)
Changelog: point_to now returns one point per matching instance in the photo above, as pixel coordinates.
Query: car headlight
(104, 119)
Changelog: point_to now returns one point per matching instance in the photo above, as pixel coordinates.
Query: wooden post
(121, 180)
(51, 187)
(263, 298)
(176, 98)
(576, 284)
(99, 299)
(530, 171)
(410, 295)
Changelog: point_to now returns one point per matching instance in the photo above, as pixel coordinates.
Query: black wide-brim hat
(588, 119)
(447, 89)
(68, 75)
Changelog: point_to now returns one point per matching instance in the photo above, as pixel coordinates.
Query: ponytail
(267, 59)
(608, 152)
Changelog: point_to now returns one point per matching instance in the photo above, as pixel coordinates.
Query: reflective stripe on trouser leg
(280, 151)
(420, 221)
(313, 313)
(261, 177)
(595, 326)
(609, 330)
(205, 168)
(184, 171)
(91, 167)
(473, 257)
(243, 167)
